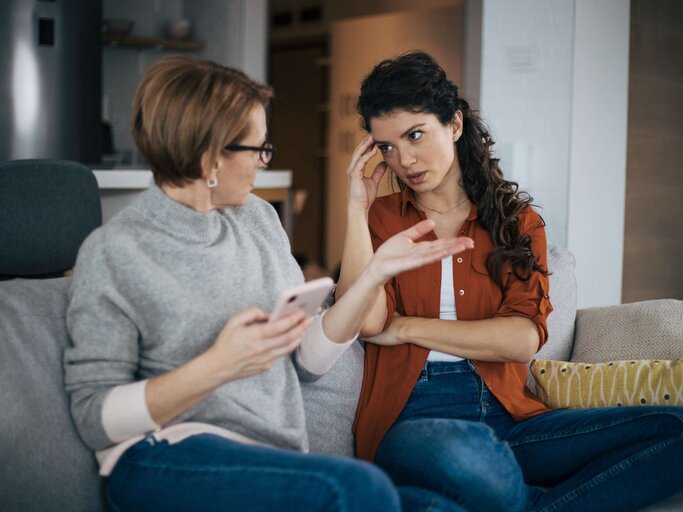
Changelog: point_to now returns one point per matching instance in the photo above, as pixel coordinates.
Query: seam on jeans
(110, 501)
(605, 475)
(586, 430)
(124, 469)
(340, 505)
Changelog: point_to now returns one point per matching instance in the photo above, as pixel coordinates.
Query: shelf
(151, 42)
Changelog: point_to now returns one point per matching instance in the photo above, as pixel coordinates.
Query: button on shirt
(391, 371)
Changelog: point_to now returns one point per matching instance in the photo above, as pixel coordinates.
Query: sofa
(44, 465)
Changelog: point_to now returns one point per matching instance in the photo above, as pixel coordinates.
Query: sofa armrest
(650, 329)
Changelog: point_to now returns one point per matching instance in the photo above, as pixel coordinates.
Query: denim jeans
(454, 437)
(209, 473)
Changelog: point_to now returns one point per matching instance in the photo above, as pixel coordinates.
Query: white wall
(255, 39)
(554, 83)
(525, 98)
(472, 33)
(597, 185)
(236, 32)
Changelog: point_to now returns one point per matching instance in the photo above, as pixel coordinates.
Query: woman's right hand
(248, 345)
(403, 252)
(362, 190)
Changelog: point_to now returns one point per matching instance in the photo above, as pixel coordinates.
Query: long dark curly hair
(415, 82)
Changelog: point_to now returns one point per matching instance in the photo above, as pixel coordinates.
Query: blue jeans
(210, 473)
(454, 437)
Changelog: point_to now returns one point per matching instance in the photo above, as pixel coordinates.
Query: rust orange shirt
(391, 371)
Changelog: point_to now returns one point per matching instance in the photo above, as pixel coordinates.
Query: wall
(235, 33)
(653, 238)
(525, 98)
(595, 225)
(554, 79)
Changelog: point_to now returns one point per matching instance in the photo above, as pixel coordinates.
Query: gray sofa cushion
(45, 467)
(330, 404)
(561, 264)
(650, 329)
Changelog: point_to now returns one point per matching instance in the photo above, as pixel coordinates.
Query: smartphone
(309, 296)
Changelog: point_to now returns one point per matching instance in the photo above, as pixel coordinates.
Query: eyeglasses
(265, 151)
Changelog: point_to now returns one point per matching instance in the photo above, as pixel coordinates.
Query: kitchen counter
(135, 178)
(120, 185)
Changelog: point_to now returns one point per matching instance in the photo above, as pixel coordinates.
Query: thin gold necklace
(441, 212)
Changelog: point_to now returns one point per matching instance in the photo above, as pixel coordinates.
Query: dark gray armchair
(47, 209)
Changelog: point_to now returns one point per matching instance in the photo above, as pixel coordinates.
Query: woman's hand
(245, 347)
(401, 253)
(248, 346)
(391, 335)
(362, 190)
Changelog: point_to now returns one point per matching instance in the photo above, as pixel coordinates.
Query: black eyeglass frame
(265, 151)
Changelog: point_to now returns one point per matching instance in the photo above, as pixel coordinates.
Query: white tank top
(446, 307)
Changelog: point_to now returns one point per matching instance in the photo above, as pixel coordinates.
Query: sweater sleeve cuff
(125, 413)
(317, 353)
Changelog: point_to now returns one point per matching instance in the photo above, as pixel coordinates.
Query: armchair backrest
(561, 322)
(47, 209)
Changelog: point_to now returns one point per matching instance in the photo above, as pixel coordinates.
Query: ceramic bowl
(179, 29)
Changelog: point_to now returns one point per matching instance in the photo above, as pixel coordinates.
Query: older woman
(189, 396)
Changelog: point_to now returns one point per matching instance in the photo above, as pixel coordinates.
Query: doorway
(298, 128)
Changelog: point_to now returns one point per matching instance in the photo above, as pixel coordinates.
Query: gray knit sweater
(153, 288)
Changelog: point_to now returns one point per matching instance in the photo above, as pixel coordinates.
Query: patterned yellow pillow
(583, 385)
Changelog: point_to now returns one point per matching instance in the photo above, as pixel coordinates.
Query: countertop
(137, 178)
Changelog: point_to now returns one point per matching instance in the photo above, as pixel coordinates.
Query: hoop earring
(212, 183)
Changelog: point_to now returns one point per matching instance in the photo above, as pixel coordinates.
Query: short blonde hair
(185, 107)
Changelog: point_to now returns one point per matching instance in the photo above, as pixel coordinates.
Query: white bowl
(178, 29)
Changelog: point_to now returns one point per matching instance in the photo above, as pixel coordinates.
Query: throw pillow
(617, 383)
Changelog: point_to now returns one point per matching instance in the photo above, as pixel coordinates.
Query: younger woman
(444, 404)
